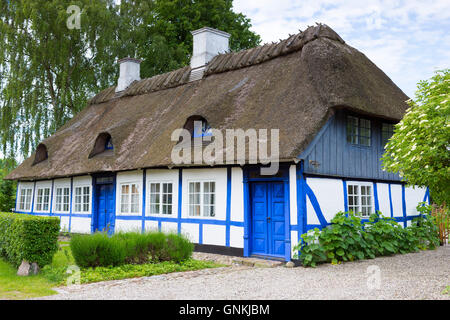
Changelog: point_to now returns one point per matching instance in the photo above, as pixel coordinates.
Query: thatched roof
(294, 85)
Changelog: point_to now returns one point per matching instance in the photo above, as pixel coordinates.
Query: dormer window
(358, 131)
(109, 144)
(41, 154)
(198, 127)
(102, 144)
(201, 129)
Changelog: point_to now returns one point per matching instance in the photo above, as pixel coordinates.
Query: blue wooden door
(268, 218)
(105, 208)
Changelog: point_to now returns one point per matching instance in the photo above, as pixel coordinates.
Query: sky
(408, 40)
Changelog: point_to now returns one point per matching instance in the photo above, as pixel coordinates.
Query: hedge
(27, 237)
(101, 250)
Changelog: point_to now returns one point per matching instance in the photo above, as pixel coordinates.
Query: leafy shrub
(179, 248)
(27, 237)
(99, 249)
(348, 239)
(387, 237)
(426, 232)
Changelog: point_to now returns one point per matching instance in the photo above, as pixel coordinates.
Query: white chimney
(208, 43)
(129, 71)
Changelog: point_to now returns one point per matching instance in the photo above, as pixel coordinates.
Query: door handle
(268, 219)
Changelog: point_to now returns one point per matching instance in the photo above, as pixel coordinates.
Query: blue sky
(408, 40)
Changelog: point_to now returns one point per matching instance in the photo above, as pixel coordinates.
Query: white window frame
(161, 193)
(30, 198)
(139, 205)
(74, 208)
(202, 198)
(36, 202)
(55, 200)
(359, 196)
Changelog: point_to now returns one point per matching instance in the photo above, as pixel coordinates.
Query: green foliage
(7, 187)
(419, 148)
(48, 71)
(125, 271)
(27, 237)
(99, 249)
(349, 239)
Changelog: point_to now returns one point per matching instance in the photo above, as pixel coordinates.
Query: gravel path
(422, 275)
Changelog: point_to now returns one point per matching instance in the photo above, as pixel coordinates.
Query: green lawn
(15, 287)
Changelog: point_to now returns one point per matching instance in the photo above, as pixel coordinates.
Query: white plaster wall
(413, 196)
(80, 225)
(383, 199)
(237, 195)
(330, 196)
(214, 234)
(42, 184)
(128, 177)
(236, 237)
(160, 176)
(396, 192)
(151, 225)
(20, 186)
(64, 224)
(169, 227)
(128, 226)
(311, 216)
(293, 194)
(294, 241)
(191, 230)
(60, 183)
(81, 182)
(219, 175)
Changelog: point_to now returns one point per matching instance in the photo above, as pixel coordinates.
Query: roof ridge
(222, 62)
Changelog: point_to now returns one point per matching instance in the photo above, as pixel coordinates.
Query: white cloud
(408, 40)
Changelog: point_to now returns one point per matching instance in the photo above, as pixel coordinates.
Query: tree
(7, 187)
(48, 70)
(167, 35)
(419, 150)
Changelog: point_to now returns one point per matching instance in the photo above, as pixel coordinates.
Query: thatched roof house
(111, 167)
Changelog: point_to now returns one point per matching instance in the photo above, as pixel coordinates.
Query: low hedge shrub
(99, 249)
(349, 239)
(27, 237)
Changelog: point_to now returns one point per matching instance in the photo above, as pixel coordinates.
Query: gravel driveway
(422, 275)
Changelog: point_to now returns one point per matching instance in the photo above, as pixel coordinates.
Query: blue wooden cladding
(330, 154)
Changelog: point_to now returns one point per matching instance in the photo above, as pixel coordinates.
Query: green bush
(27, 237)
(348, 239)
(99, 249)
